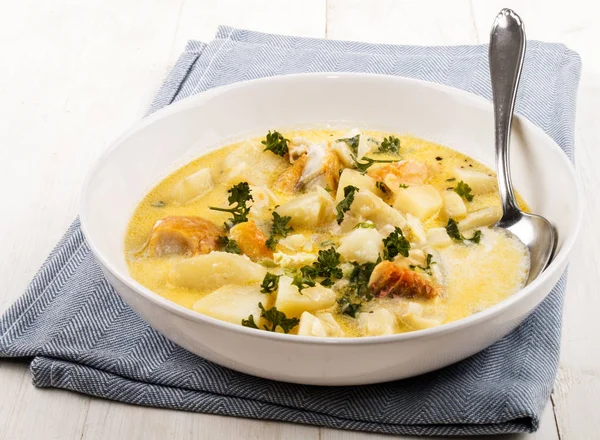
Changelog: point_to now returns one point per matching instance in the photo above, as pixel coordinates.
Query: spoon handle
(506, 53)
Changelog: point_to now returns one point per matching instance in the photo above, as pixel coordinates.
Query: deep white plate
(171, 137)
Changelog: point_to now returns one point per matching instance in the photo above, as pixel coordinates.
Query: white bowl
(171, 137)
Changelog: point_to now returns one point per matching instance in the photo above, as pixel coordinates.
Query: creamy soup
(330, 233)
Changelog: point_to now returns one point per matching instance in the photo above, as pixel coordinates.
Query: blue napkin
(84, 338)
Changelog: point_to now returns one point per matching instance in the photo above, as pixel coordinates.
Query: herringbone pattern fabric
(83, 337)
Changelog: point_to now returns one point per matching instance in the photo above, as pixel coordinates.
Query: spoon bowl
(506, 54)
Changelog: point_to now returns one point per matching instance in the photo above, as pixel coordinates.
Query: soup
(329, 233)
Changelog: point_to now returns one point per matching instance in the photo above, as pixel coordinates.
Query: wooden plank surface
(73, 75)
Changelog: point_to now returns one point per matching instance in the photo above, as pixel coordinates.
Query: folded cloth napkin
(83, 337)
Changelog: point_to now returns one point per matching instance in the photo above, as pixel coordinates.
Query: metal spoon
(506, 53)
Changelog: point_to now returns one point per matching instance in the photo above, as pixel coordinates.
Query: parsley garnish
(305, 278)
(159, 204)
(349, 308)
(278, 228)
(402, 185)
(250, 322)
(327, 266)
(276, 143)
(364, 166)
(230, 246)
(451, 179)
(352, 142)
(327, 243)
(270, 283)
(275, 317)
(344, 204)
(464, 190)
(359, 279)
(390, 144)
(395, 244)
(239, 194)
(453, 231)
(427, 268)
(365, 225)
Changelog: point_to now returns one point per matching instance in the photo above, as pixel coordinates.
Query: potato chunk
(193, 186)
(322, 325)
(413, 317)
(250, 163)
(454, 205)
(368, 206)
(354, 178)
(438, 237)
(380, 322)
(291, 302)
(182, 235)
(251, 240)
(232, 303)
(393, 280)
(405, 171)
(480, 183)
(315, 208)
(214, 270)
(482, 217)
(422, 201)
(361, 245)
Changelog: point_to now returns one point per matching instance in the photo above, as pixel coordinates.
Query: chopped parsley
(390, 144)
(365, 225)
(159, 204)
(344, 205)
(359, 279)
(455, 234)
(395, 244)
(228, 245)
(276, 143)
(275, 318)
(364, 166)
(348, 307)
(402, 185)
(427, 268)
(464, 190)
(270, 283)
(327, 266)
(451, 179)
(305, 278)
(327, 243)
(279, 228)
(352, 142)
(239, 195)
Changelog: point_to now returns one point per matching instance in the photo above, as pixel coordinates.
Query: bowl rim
(471, 320)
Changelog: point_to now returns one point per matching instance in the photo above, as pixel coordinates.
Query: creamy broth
(418, 190)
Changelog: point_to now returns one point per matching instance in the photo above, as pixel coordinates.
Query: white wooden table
(74, 75)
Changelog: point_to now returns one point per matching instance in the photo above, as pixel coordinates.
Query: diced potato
(454, 205)
(262, 198)
(379, 322)
(438, 237)
(422, 201)
(251, 240)
(323, 325)
(250, 163)
(193, 186)
(416, 229)
(479, 182)
(354, 178)
(309, 210)
(232, 303)
(482, 217)
(361, 245)
(413, 317)
(364, 146)
(344, 153)
(368, 206)
(294, 242)
(295, 260)
(291, 302)
(214, 270)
